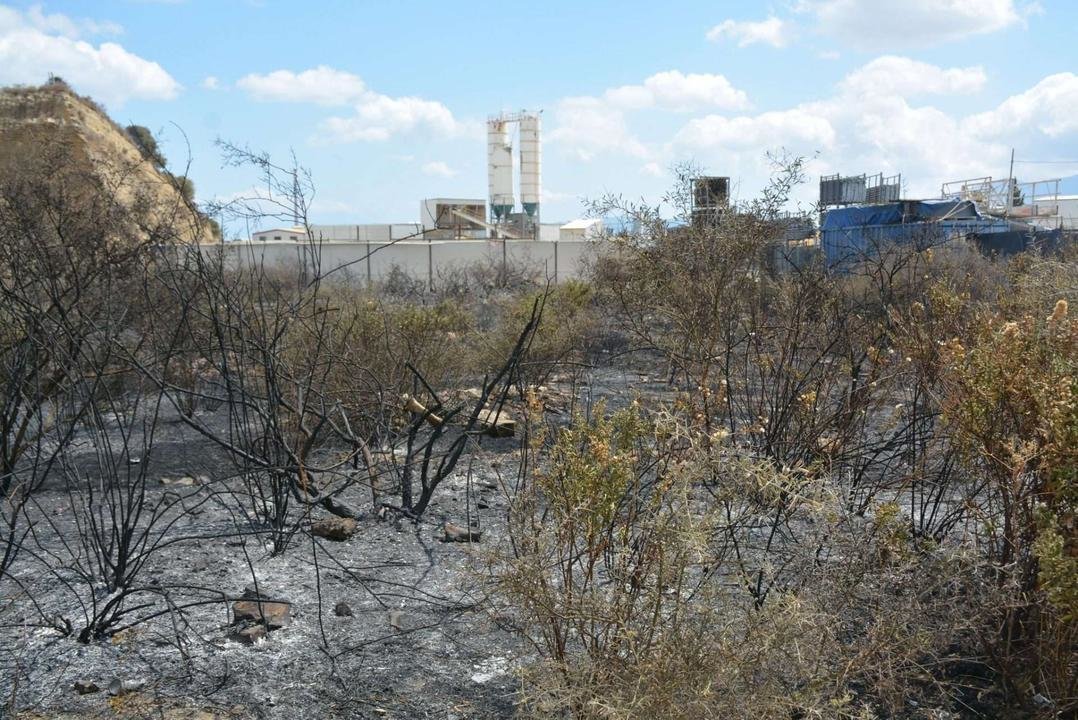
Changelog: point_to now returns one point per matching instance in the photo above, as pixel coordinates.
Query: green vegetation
(147, 145)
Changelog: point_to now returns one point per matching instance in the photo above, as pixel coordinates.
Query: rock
(497, 424)
(274, 614)
(417, 408)
(489, 669)
(85, 687)
(337, 529)
(185, 481)
(342, 609)
(396, 618)
(122, 687)
(251, 592)
(458, 533)
(248, 634)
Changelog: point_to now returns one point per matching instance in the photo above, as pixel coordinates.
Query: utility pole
(1010, 187)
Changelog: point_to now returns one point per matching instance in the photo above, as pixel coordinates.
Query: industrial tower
(500, 169)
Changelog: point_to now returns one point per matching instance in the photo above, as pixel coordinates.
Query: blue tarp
(904, 211)
(1016, 241)
(851, 233)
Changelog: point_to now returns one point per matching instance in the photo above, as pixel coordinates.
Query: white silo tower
(499, 169)
(530, 164)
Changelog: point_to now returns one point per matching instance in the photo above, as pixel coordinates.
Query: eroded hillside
(51, 135)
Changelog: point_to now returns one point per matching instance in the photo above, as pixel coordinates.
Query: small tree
(147, 145)
(185, 185)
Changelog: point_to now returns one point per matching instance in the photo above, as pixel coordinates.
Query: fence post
(430, 265)
(555, 262)
(368, 254)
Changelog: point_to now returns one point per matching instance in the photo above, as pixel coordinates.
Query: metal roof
(581, 224)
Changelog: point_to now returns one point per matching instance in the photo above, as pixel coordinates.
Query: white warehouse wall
(373, 261)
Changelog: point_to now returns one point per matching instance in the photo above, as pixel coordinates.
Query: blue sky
(385, 102)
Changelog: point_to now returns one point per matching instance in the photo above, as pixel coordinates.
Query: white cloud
(1049, 108)
(652, 168)
(893, 75)
(376, 117)
(379, 117)
(210, 82)
(59, 24)
(871, 124)
(674, 90)
(773, 31)
(437, 168)
(925, 144)
(34, 45)
(876, 119)
(321, 85)
(913, 22)
(796, 128)
(587, 126)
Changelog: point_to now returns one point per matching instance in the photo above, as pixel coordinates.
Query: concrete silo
(531, 159)
(499, 169)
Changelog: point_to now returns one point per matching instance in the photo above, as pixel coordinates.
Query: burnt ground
(449, 657)
(421, 639)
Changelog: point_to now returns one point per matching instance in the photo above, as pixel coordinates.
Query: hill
(51, 135)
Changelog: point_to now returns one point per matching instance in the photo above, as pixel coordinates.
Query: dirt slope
(52, 131)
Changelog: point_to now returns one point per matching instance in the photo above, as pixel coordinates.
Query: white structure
(280, 235)
(1068, 211)
(368, 262)
(500, 166)
(531, 161)
(369, 233)
(584, 229)
(453, 217)
(499, 169)
(1038, 203)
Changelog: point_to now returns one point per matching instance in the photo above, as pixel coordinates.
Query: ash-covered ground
(390, 623)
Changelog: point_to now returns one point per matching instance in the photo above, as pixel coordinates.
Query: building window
(292, 237)
(276, 237)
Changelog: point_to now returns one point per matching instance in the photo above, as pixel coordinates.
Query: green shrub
(565, 335)
(633, 541)
(1012, 404)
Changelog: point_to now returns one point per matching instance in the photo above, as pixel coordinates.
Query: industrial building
(862, 214)
(1068, 212)
(859, 215)
(293, 234)
(505, 226)
(500, 216)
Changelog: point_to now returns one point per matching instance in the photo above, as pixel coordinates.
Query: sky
(385, 102)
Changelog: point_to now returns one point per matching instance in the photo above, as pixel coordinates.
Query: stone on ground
(459, 533)
(337, 529)
(274, 614)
